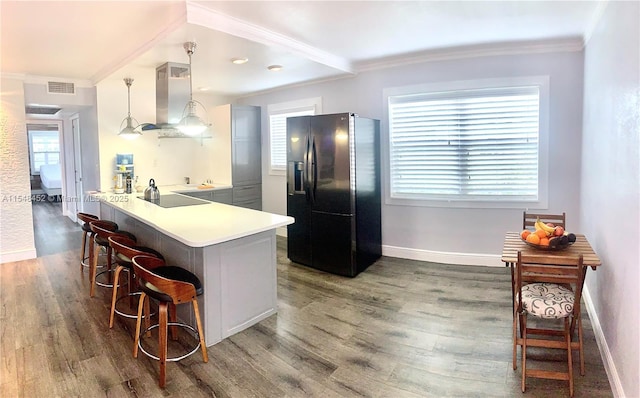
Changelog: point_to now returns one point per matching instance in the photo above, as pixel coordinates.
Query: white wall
(465, 235)
(167, 160)
(16, 228)
(611, 188)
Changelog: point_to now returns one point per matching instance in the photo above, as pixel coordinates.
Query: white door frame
(77, 166)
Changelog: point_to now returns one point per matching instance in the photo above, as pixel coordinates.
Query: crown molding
(112, 67)
(484, 50)
(12, 76)
(595, 19)
(202, 16)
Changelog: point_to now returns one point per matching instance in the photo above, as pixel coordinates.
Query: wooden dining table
(513, 243)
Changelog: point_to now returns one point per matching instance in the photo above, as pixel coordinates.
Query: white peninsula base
(238, 275)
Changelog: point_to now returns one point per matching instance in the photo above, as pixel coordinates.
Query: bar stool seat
(102, 230)
(170, 286)
(175, 273)
(86, 218)
(125, 249)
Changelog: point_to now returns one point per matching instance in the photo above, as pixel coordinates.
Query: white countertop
(198, 225)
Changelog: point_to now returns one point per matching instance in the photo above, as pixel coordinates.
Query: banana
(547, 229)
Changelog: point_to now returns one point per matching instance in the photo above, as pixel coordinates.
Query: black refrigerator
(333, 192)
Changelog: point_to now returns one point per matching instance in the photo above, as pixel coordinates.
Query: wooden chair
(170, 286)
(124, 249)
(86, 218)
(101, 231)
(548, 288)
(529, 219)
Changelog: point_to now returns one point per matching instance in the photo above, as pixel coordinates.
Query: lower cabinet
(219, 195)
(223, 196)
(206, 195)
(249, 196)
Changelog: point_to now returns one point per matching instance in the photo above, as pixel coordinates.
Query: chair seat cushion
(547, 300)
(86, 227)
(125, 261)
(102, 241)
(175, 273)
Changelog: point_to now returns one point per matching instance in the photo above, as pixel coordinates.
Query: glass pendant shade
(129, 132)
(191, 123)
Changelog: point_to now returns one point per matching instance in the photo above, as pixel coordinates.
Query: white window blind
(480, 144)
(278, 136)
(44, 148)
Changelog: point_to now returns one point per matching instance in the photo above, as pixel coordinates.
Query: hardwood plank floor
(401, 329)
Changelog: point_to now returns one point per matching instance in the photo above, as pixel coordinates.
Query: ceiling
(92, 41)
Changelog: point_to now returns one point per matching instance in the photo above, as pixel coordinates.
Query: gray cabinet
(206, 195)
(219, 195)
(237, 152)
(223, 196)
(246, 157)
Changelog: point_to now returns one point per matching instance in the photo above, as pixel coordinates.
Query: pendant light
(191, 123)
(129, 132)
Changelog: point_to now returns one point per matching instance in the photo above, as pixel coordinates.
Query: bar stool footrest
(129, 315)
(106, 284)
(170, 359)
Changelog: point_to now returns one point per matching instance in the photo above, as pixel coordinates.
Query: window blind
(44, 148)
(467, 144)
(278, 136)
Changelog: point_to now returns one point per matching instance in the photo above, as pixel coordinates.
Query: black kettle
(151, 192)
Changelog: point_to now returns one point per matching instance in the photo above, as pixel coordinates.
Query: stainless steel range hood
(172, 94)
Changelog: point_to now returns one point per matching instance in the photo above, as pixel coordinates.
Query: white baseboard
(603, 347)
(487, 260)
(19, 255)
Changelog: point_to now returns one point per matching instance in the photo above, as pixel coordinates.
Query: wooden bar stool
(102, 230)
(86, 218)
(170, 286)
(124, 249)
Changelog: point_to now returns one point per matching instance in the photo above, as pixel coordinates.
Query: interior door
(77, 167)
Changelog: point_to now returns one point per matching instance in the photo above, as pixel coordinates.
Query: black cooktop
(175, 200)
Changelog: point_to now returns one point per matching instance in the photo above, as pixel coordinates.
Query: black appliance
(333, 192)
(175, 200)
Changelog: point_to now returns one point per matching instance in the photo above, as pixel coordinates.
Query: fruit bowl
(549, 248)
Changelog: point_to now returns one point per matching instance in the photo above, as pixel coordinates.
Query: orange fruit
(525, 233)
(541, 234)
(544, 242)
(533, 238)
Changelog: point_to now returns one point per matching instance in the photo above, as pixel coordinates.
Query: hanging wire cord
(129, 131)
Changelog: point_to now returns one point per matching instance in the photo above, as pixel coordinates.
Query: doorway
(45, 160)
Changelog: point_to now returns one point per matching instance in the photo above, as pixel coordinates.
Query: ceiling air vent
(61, 88)
(41, 110)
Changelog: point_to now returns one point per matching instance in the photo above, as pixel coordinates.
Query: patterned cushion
(547, 300)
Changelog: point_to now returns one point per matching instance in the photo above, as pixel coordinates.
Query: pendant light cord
(128, 81)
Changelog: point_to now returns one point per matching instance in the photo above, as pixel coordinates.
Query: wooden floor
(401, 329)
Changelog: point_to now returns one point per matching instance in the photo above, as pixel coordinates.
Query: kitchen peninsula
(231, 249)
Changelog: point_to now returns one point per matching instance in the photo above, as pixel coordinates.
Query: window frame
(543, 139)
(308, 104)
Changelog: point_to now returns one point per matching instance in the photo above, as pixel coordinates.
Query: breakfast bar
(231, 249)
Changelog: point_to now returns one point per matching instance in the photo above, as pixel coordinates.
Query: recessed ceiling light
(274, 68)
(239, 61)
